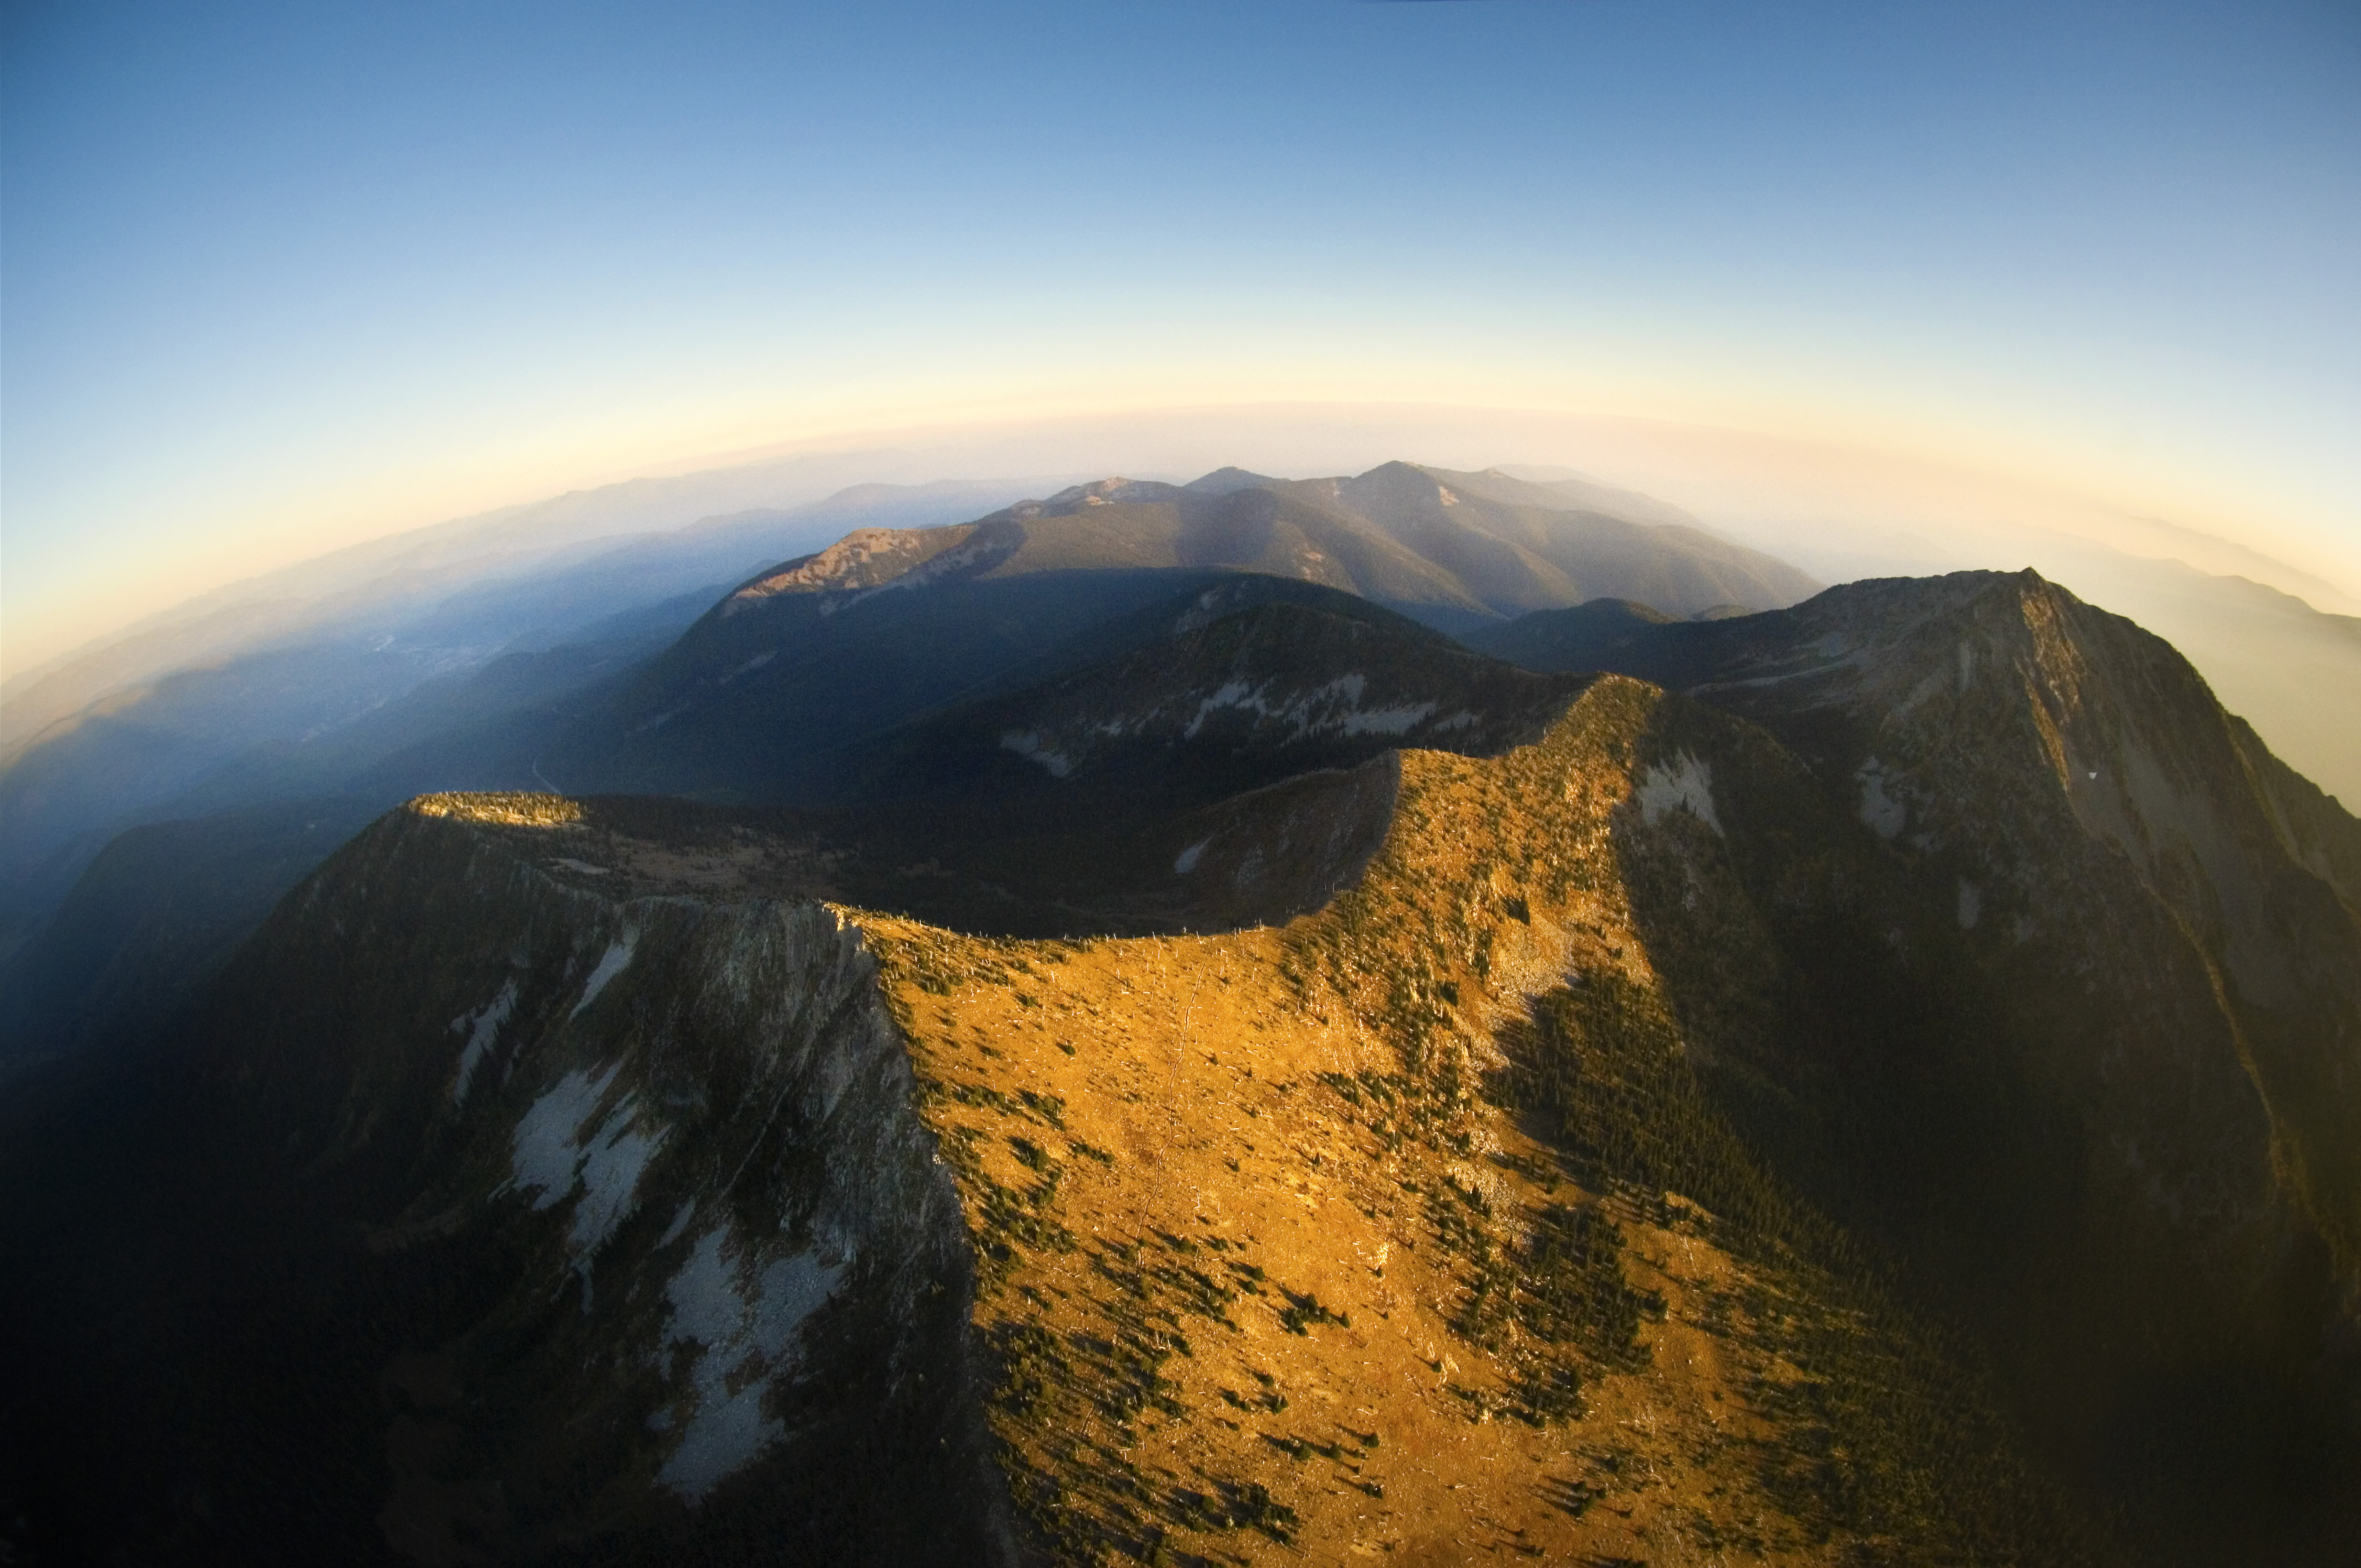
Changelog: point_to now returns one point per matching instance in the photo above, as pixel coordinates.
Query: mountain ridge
(1016, 581)
(1822, 1115)
(1505, 530)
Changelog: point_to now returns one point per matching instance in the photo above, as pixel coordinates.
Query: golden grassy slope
(1274, 1273)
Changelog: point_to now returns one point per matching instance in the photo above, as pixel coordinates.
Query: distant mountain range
(1451, 549)
(751, 701)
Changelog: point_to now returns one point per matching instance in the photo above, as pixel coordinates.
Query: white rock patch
(1880, 812)
(613, 1159)
(610, 964)
(542, 1154)
(1334, 707)
(1236, 694)
(484, 1028)
(756, 663)
(550, 1159)
(745, 1328)
(1028, 745)
(1686, 785)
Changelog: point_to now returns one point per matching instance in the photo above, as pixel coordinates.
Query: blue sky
(281, 276)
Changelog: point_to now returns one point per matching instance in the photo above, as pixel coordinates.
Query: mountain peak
(1399, 476)
(1222, 481)
(867, 557)
(1108, 491)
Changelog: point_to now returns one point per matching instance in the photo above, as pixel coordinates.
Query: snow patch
(1334, 707)
(1203, 613)
(1880, 812)
(543, 1154)
(484, 1028)
(1028, 745)
(744, 1328)
(1687, 784)
(756, 663)
(1928, 687)
(550, 1158)
(613, 1159)
(1188, 858)
(610, 964)
(1236, 694)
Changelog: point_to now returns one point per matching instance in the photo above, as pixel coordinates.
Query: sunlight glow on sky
(278, 277)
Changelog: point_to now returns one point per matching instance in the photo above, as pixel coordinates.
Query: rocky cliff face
(611, 1211)
(2121, 1120)
(2089, 806)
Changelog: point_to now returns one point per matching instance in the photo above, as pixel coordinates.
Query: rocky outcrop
(2095, 1032)
(719, 1276)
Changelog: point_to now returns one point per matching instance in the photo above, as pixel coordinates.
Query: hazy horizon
(277, 281)
(1839, 514)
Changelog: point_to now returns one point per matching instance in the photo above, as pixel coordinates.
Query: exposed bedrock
(621, 1206)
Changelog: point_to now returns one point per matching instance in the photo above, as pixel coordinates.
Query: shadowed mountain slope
(1244, 699)
(1522, 546)
(784, 703)
(762, 697)
(161, 908)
